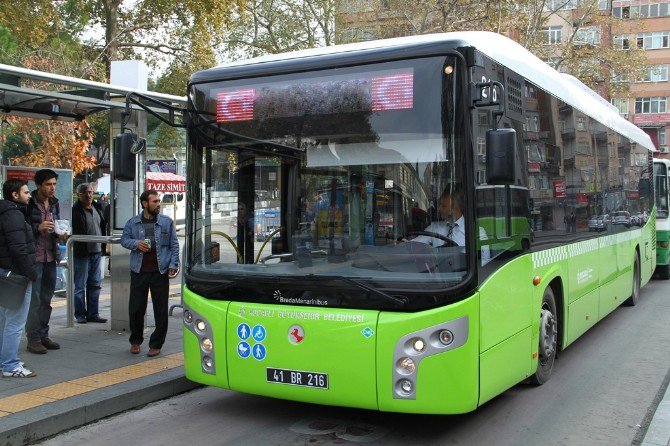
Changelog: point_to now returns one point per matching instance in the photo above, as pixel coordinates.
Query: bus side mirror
(500, 156)
(124, 159)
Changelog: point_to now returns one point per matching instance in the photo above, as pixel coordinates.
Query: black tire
(548, 339)
(663, 272)
(635, 293)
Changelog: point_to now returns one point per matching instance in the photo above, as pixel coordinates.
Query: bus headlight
(407, 365)
(446, 337)
(406, 386)
(203, 331)
(419, 345)
(206, 344)
(207, 363)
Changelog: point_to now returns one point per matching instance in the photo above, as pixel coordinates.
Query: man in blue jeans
(87, 219)
(17, 254)
(43, 211)
(154, 259)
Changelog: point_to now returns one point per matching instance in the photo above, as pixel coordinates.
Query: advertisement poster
(63, 186)
(162, 166)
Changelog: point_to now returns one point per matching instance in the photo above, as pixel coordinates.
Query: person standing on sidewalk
(151, 238)
(87, 219)
(17, 254)
(43, 211)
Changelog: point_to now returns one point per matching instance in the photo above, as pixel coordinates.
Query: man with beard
(151, 238)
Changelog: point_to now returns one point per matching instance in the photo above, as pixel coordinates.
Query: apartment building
(645, 23)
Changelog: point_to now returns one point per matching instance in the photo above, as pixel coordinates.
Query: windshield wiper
(398, 301)
(218, 285)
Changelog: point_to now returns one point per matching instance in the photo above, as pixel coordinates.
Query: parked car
(621, 218)
(638, 219)
(263, 235)
(598, 223)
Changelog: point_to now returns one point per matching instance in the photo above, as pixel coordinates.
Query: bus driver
(451, 224)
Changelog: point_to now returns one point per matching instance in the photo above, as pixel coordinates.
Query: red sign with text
(559, 188)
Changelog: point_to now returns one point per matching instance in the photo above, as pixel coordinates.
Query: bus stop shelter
(41, 95)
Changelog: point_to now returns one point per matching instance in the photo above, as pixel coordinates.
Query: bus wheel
(548, 339)
(663, 272)
(635, 295)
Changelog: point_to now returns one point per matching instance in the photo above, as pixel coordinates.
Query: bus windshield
(661, 189)
(336, 178)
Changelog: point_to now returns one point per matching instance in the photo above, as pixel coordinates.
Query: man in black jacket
(17, 254)
(87, 219)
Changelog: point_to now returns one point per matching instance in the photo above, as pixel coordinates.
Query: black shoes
(96, 318)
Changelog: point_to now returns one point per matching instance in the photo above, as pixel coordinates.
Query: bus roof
(497, 47)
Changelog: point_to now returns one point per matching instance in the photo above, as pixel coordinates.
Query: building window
(656, 73)
(583, 148)
(535, 153)
(588, 35)
(661, 137)
(553, 35)
(621, 104)
(654, 40)
(656, 104)
(620, 76)
(622, 42)
(481, 146)
(643, 11)
(556, 5)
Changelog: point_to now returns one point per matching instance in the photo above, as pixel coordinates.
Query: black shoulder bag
(14, 288)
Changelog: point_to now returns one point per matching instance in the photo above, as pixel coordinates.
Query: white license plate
(297, 378)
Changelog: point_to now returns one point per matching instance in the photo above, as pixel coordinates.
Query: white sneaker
(21, 372)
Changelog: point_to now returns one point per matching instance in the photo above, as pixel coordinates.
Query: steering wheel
(448, 243)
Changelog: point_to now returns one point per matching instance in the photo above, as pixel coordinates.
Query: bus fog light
(407, 365)
(446, 337)
(206, 344)
(200, 325)
(207, 363)
(188, 317)
(419, 345)
(406, 385)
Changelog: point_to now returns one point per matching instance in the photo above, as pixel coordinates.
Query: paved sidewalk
(92, 376)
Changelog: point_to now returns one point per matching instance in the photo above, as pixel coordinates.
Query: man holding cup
(151, 238)
(43, 211)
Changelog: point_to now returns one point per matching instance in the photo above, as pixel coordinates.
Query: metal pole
(70, 267)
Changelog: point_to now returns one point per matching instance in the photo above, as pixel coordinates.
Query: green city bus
(661, 190)
(356, 145)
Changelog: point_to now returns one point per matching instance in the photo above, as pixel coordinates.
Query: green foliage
(274, 26)
(8, 45)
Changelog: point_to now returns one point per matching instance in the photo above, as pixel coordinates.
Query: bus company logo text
(300, 315)
(296, 300)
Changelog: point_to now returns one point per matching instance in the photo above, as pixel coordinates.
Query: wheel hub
(547, 334)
